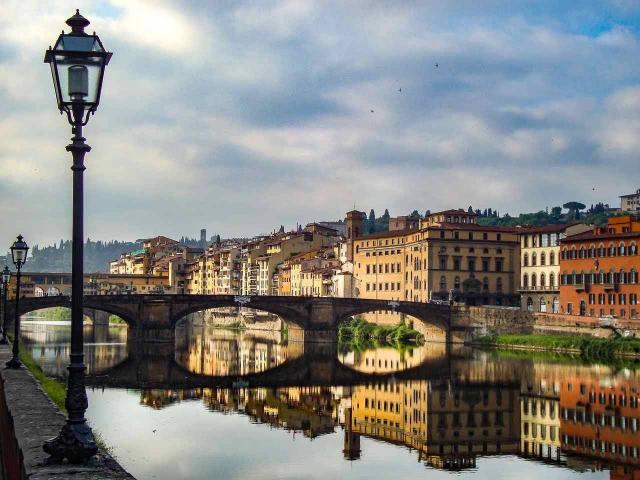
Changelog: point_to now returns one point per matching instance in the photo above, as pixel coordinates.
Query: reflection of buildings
(540, 413)
(216, 352)
(600, 419)
(448, 423)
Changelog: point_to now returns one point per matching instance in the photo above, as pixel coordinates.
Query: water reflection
(485, 413)
(217, 352)
(49, 344)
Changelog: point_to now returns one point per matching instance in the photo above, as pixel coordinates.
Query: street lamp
(6, 276)
(77, 61)
(19, 251)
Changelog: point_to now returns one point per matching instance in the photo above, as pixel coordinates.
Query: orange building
(601, 420)
(599, 270)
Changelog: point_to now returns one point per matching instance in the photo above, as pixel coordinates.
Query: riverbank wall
(512, 320)
(27, 418)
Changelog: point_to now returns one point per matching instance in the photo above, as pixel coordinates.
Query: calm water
(317, 413)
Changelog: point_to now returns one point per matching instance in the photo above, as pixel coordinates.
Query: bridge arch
(33, 304)
(287, 314)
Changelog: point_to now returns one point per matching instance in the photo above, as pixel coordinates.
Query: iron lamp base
(75, 442)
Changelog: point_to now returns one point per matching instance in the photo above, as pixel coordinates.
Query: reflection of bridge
(153, 317)
(154, 366)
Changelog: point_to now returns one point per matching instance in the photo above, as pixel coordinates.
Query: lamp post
(6, 276)
(77, 61)
(19, 251)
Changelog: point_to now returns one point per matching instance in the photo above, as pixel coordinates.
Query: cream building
(540, 265)
(448, 257)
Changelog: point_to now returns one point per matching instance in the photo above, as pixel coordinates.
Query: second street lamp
(19, 251)
(77, 61)
(6, 276)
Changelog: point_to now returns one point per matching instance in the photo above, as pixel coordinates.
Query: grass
(589, 347)
(360, 335)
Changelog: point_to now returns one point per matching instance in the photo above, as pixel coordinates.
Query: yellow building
(449, 257)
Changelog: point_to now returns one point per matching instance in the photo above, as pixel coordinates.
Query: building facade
(599, 270)
(540, 265)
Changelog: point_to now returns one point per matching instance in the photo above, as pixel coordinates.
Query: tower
(354, 222)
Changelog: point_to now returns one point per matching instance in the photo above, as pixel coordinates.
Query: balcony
(540, 288)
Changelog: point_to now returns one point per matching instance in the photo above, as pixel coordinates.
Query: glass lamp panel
(78, 43)
(93, 66)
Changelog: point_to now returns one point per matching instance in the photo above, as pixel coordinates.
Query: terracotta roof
(453, 211)
(556, 228)
(601, 236)
(473, 226)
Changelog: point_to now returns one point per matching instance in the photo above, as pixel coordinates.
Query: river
(244, 405)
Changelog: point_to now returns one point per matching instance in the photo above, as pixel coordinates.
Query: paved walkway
(35, 419)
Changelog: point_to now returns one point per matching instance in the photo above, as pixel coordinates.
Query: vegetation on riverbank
(589, 347)
(361, 335)
(55, 389)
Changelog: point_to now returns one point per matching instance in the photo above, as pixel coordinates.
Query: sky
(240, 116)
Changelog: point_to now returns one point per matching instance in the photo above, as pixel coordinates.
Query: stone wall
(477, 321)
(27, 419)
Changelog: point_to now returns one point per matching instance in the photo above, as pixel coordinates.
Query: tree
(371, 223)
(574, 208)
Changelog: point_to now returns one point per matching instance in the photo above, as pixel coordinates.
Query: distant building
(630, 203)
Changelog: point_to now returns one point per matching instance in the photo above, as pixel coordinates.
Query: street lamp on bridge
(19, 251)
(77, 61)
(6, 276)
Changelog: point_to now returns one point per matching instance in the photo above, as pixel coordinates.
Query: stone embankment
(27, 418)
(511, 320)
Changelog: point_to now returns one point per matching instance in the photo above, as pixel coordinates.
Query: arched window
(525, 281)
(534, 280)
(456, 283)
(499, 284)
(552, 258)
(443, 283)
(543, 305)
(542, 279)
(552, 280)
(525, 260)
(543, 259)
(485, 284)
(534, 260)
(621, 249)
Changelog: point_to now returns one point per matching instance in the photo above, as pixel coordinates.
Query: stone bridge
(154, 366)
(153, 317)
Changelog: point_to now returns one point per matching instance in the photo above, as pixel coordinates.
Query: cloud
(239, 116)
